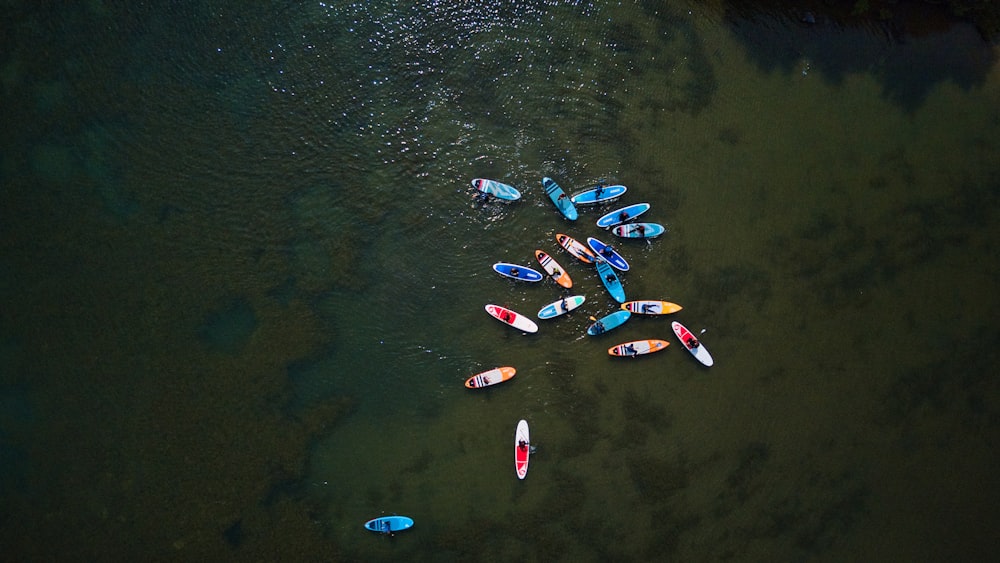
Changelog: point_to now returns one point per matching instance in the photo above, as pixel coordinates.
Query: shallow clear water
(279, 214)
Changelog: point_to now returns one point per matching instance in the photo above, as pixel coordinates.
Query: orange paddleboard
(491, 377)
(651, 307)
(576, 248)
(638, 347)
(557, 272)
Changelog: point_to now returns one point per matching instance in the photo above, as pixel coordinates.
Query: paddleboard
(558, 197)
(638, 347)
(598, 194)
(389, 524)
(560, 307)
(522, 449)
(496, 189)
(610, 280)
(686, 337)
(517, 272)
(651, 307)
(605, 252)
(639, 230)
(619, 216)
(608, 322)
(576, 248)
(555, 271)
(490, 377)
(511, 318)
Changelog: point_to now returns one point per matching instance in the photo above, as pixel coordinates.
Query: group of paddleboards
(607, 262)
(621, 221)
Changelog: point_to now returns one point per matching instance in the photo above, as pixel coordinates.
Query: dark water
(243, 277)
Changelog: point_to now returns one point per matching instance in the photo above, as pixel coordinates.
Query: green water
(204, 250)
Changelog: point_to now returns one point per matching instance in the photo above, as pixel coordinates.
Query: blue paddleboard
(611, 281)
(496, 189)
(619, 216)
(605, 252)
(639, 230)
(389, 524)
(517, 272)
(558, 197)
(598, 194)
(606, 323)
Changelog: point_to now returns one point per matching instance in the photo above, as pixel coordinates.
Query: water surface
(245, 276)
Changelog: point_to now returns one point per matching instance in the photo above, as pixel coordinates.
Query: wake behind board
(496, 189)
(576, 248)
(522, 273)
(555, 271)
(490, 377)
(638, 347)
(692, 344)
(639, 230)
(511, 318)
(598, 194)
(619, 216)
(651, 307)
(522, 449)
(389, 524)
(611, 281)
(608, 322)
(559, 198)
(607, 253)
(560, 307)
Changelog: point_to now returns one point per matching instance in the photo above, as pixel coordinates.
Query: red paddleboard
(522, 449)
(692, 344)
(511, 318)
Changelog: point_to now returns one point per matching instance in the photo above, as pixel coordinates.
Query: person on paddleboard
(649, 307)
(630, 350)
(522, 445)
(598, 327)
(515, 272)
(692, 342)
(623, 216)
